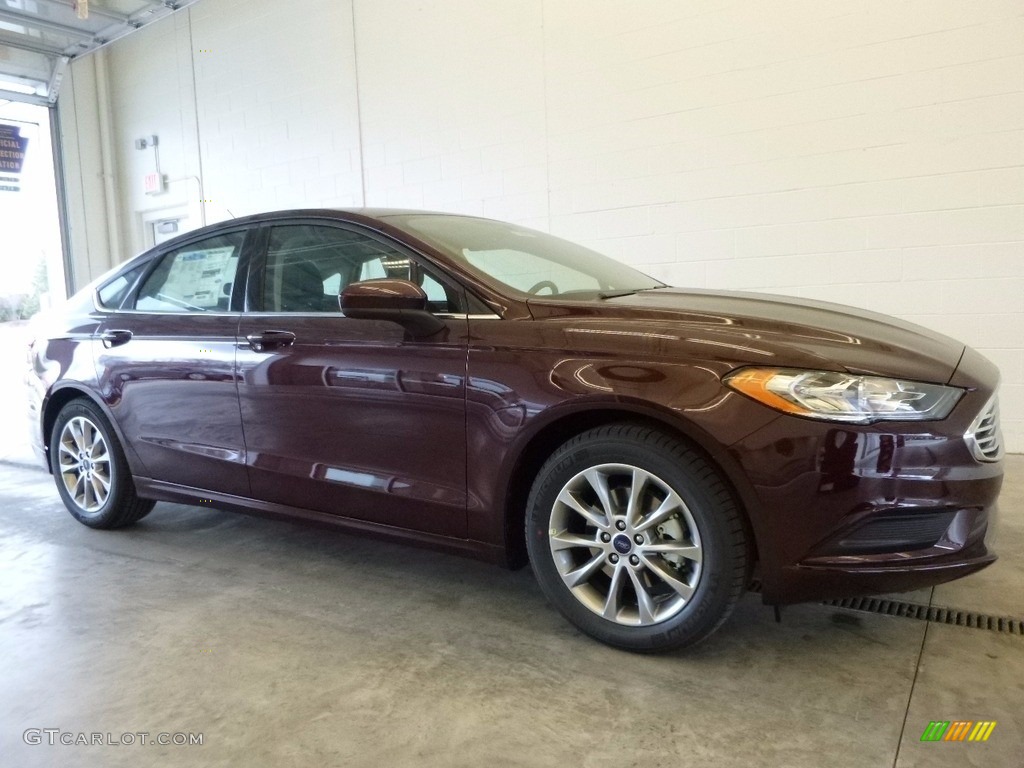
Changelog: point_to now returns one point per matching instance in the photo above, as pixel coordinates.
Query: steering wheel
(542, 285)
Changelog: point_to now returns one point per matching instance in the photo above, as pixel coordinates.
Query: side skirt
(149, 488)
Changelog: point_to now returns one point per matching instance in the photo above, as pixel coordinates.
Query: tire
(665, 568)
(90, 469)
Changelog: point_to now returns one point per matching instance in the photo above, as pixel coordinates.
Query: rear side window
(113, 294)
(195, 278)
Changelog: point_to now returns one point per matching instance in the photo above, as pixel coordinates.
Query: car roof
(351, 214)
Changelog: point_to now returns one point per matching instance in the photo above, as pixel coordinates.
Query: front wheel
(90, 469)
(636, 539)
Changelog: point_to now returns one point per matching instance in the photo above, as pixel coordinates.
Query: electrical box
(154, 183)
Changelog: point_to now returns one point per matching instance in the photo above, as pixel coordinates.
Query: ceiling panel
(39, 37)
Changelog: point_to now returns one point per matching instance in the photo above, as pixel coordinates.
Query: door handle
(264, 340)
(115, 338)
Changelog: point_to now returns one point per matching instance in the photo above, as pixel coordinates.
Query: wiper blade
(628, 291)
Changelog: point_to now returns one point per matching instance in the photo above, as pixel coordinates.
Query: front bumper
(849, 511)
(899, 570)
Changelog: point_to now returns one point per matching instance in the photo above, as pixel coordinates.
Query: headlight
(834, 396)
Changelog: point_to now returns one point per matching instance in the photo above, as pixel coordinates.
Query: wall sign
(12, 157)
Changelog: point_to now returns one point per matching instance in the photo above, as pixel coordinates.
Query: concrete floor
(286, 645)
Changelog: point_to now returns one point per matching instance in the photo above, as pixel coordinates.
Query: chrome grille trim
(983, 436)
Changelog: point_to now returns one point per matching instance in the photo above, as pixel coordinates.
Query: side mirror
(399, 301)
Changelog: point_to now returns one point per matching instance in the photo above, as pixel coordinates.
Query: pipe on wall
(108, 170)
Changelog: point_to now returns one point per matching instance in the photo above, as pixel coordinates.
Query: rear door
(167, 366)
(345, 416)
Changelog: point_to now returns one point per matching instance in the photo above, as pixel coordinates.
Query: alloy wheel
(625, 544)
(85, 465)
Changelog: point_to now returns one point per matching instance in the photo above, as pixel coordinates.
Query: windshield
(525, 260)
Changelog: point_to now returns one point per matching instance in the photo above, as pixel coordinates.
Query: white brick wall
(869, 153)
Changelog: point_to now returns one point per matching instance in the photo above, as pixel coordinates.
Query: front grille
(984, 436)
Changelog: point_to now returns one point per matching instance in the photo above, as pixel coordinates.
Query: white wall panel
(868, 153)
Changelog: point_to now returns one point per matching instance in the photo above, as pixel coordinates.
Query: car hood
(776, 330)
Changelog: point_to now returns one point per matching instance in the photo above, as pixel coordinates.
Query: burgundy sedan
(490, 390)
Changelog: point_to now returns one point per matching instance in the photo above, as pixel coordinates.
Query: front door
(345, 416)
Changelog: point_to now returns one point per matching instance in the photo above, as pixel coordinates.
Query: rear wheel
(90, 469)
(636, 539)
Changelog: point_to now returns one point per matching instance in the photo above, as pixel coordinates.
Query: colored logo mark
(958, 730)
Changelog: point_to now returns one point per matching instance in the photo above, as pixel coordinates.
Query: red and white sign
(154, 183)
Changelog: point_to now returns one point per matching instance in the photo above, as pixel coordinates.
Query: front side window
(195, 278)
(309, 265)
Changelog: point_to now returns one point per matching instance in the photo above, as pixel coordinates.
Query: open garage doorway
(31, 258)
